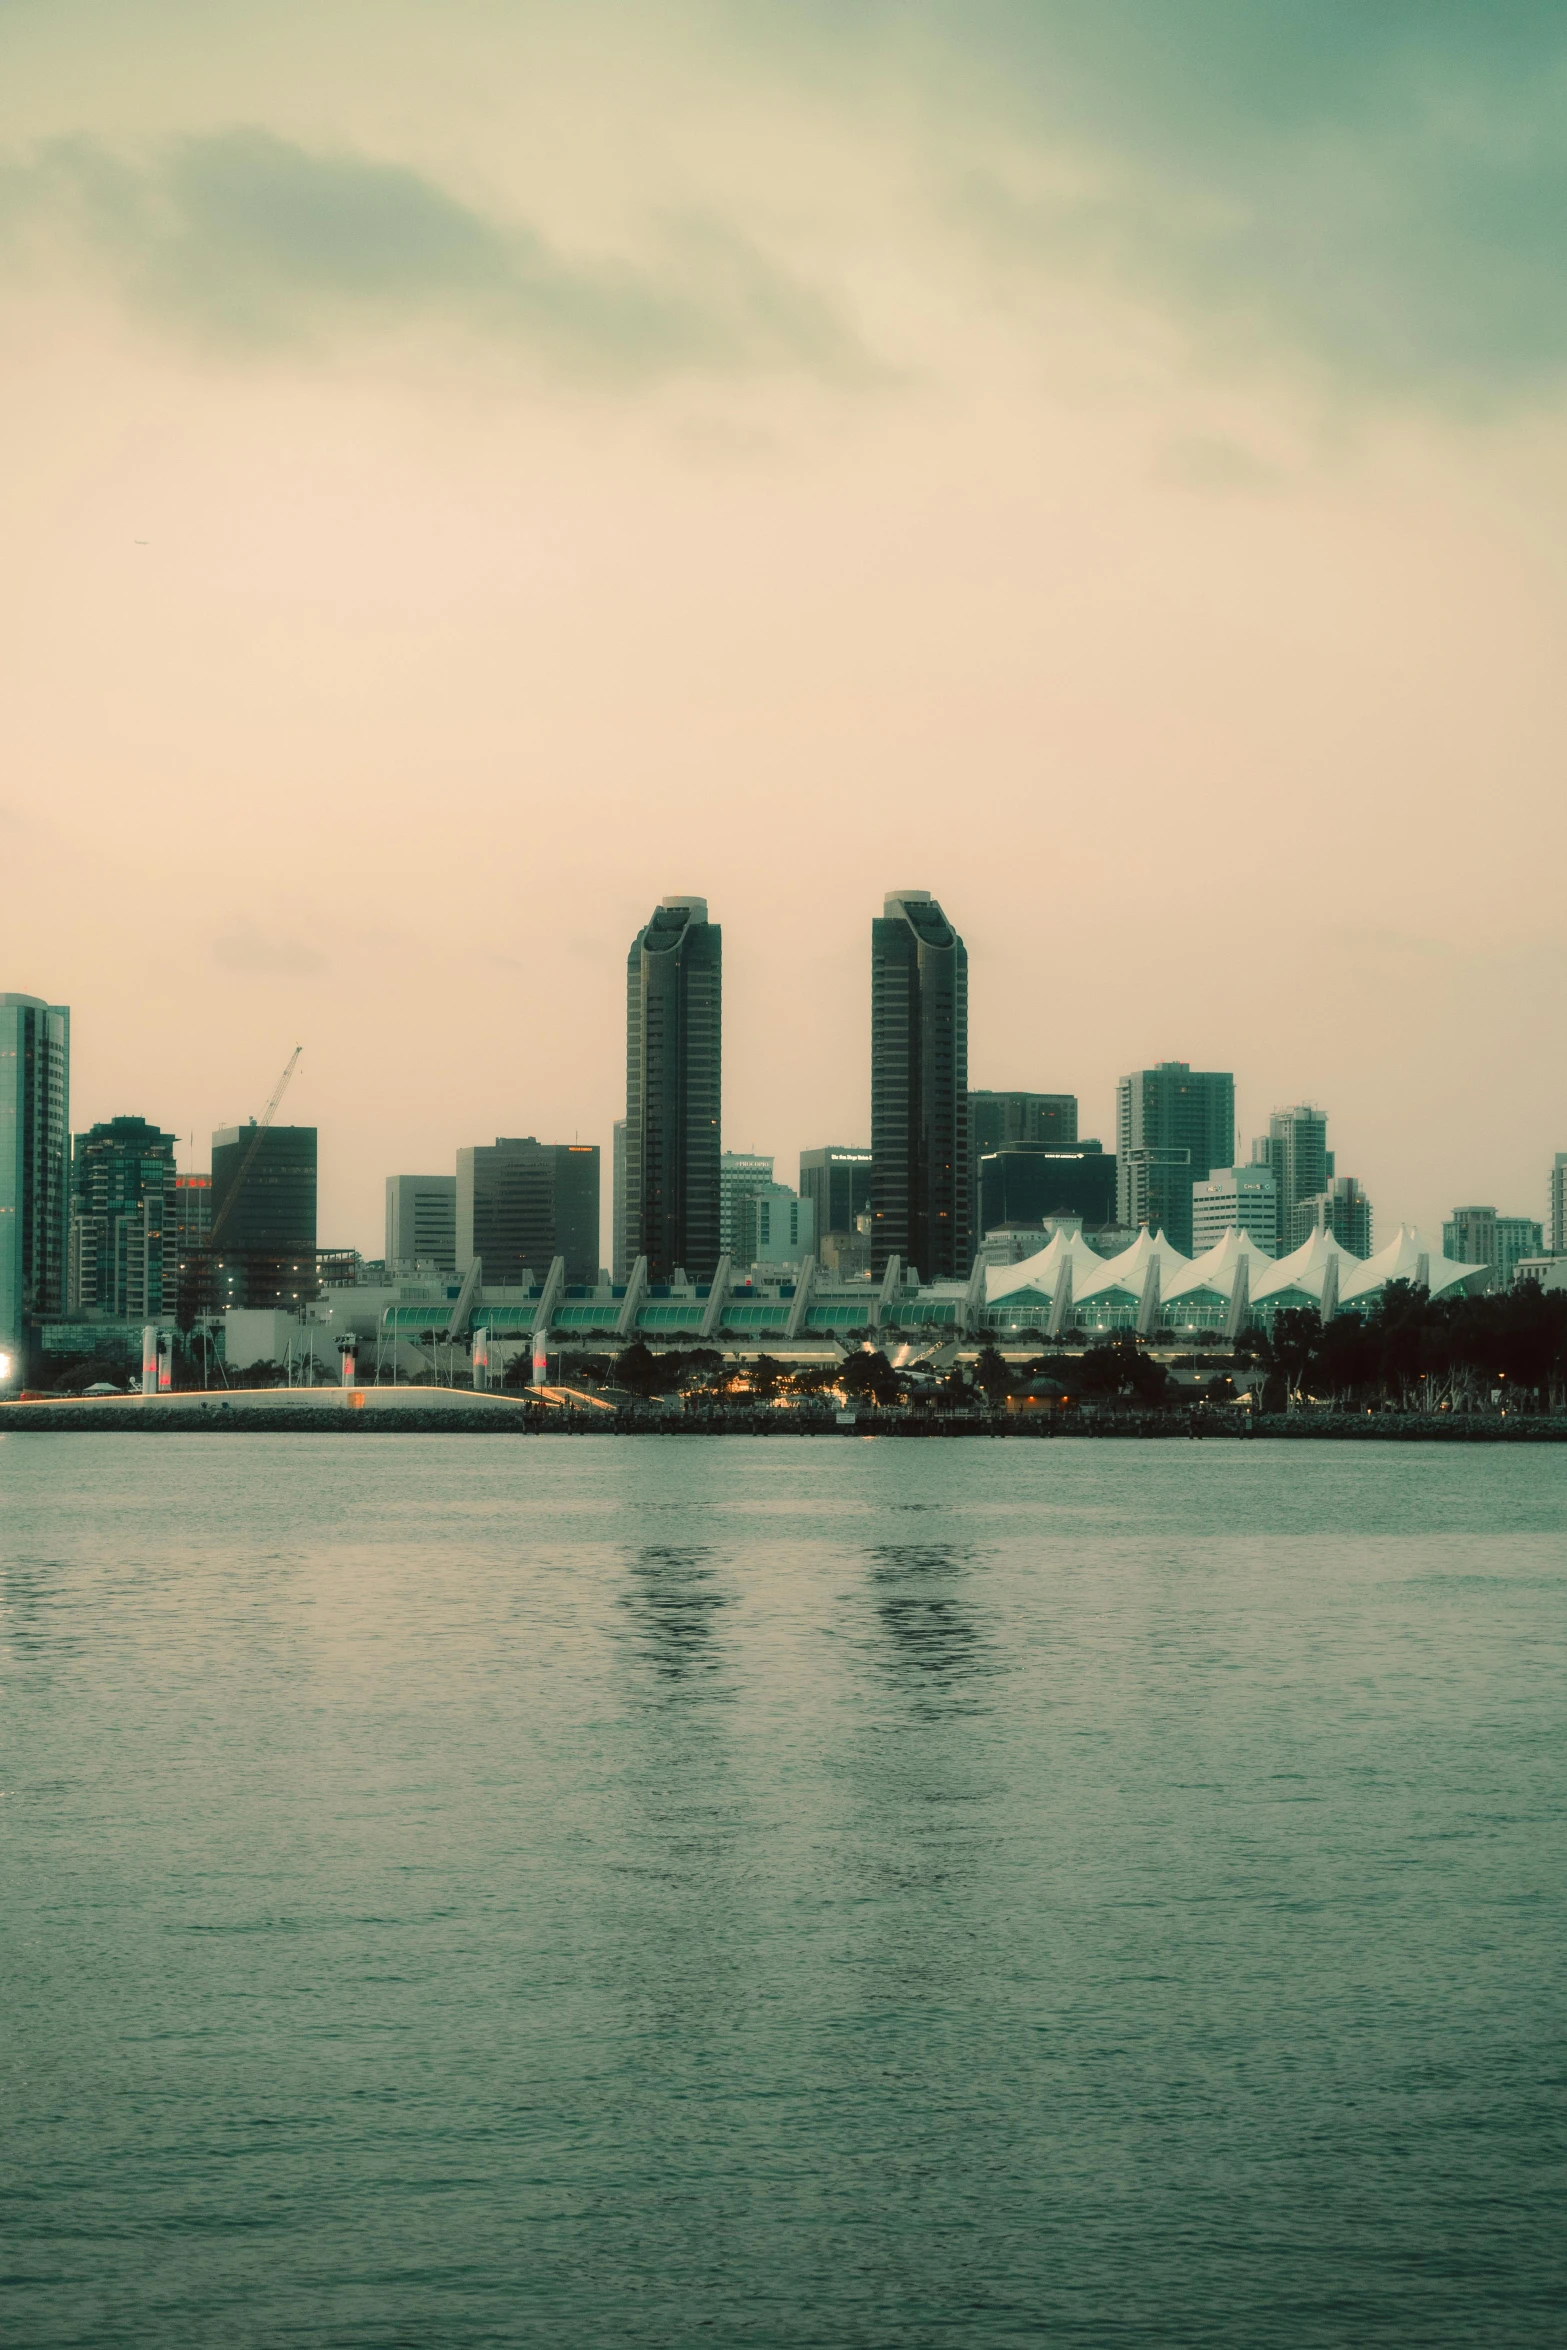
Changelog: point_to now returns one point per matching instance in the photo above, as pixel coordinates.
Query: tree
(991, 1373)
(1291, 1342)
(870, 1374)
(637, 1370)
(1119, 1367)
(766, 1377)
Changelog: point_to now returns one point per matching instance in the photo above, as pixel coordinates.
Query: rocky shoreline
(331, 1415)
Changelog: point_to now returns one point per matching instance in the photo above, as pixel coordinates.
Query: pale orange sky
(786, 454)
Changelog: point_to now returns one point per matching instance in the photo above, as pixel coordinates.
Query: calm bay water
(460, 1891)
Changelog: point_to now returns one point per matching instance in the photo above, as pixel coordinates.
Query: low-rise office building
(774, 1227)
(1030, 1182)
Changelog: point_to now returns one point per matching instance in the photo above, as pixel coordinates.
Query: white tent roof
(1041, 1273)
(1400, 1261)
(1305, 1269)
(1215, 1269)
(1129, 1271)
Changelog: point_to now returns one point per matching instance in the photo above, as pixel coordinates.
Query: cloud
(248, 240)
(1212, 462)
(244, 949)
(1374, 194)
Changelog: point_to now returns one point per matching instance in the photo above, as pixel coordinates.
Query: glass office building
(920, 1206)
(997, 1119)
(837, 1182)
(262, 1240)
(1162, 1113)
(1028, 1182)
(35, 1168)
(521, 1204)
(674, 1085)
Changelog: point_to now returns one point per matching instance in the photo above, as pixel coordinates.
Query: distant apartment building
(123, 1259)
(740, 1173)
(35, 1170)
(1479, 1236)
(836, 1179)
(776, 1227)
(1295, 1147)
(421, 1221)
(1341, 1208)
(1026, 1182)
(521, 1203)
(1558, 1205)
(1174, 1125)
(1236, 1199)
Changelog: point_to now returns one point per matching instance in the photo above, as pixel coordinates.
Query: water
(460, 1891)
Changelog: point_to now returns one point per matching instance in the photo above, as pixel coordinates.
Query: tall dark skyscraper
(263, 1228)
(920, 1206)
(674, 1075)
(35, 1165)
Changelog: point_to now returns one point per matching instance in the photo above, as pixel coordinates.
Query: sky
(468, 470)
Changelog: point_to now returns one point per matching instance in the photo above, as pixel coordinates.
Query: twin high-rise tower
(674, 1087)
(919, 1089)
(920, 1206)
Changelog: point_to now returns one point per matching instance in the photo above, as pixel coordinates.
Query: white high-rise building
(1236, 1199)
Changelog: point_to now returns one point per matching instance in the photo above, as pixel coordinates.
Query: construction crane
(248, 1161)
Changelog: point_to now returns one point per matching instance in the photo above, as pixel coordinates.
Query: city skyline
(357, 1184)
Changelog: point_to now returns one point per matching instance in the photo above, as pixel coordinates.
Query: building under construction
(257, 1248)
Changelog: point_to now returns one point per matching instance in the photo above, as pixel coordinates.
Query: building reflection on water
(674, 1606)
(932, 1645)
